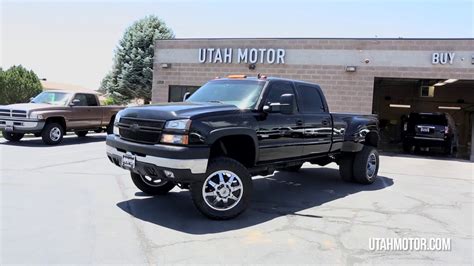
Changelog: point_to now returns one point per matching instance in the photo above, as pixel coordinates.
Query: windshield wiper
(214, 101)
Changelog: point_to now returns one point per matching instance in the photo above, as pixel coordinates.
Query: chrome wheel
(371, 165)
(55, 134)
(222, 190)
(153, 181)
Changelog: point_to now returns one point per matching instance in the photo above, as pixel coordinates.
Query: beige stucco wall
(322, 61)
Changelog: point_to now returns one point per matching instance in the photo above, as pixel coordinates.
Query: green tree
(132, 73)
(18, 85)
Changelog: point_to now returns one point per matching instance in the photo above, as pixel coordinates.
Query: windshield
(241, 93)
(54, 98)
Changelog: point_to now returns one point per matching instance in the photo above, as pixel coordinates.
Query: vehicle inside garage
(395, 99)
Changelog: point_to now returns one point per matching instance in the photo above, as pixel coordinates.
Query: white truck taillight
(446, 130)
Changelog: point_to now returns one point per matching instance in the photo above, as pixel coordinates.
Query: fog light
(168, 174)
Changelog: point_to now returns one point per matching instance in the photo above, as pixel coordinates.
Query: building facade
(389, 77)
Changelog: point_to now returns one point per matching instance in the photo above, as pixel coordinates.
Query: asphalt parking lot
(69, 204)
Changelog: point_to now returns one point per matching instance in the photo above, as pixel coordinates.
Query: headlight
(182, 124)
(175, 139)
(34, 115)
(116, 121)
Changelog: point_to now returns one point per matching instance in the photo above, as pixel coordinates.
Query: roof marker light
(237, 76)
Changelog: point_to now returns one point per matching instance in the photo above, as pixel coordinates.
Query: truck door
(82, 114)
(317, 119)
(96, 114)
(279, 135)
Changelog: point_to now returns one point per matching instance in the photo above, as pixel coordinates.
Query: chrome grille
(140, 130)
(13, 113)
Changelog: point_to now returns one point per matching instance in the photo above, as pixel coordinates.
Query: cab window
(91, 100)
(276, 90)
(82, 100)
(309, 99)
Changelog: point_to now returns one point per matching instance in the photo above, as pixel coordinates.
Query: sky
(73, 41)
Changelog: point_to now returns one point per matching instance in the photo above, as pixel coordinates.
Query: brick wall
(345, 92)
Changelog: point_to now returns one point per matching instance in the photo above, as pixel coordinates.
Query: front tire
(14, 137)
(226, 191)
(366, 165)
(52, 134)
(152, 185)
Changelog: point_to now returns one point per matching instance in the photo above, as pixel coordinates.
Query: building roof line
(324, 38)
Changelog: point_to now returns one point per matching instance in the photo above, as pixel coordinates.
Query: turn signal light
(175, 139)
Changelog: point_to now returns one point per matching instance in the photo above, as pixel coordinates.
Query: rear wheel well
(58, 119)
(372, 139)
(238, 147)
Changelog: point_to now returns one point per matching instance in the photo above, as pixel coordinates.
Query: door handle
(299, 122)
(325, 122)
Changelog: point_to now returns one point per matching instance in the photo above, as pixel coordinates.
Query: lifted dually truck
(52, 113)
(234, 128)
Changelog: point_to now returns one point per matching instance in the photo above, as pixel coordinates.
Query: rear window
(430, 119)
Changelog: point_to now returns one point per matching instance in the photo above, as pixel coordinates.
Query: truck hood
(169, 111)
(31, 107)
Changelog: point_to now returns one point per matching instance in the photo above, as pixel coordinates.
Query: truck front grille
(140, 130)
(13, 113)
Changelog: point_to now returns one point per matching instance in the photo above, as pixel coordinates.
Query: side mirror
(75, 102)
(287, 104)
(31, 99)
(186, 96)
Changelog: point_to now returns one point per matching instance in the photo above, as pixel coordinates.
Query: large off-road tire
(293, 168)
(52, 133)
(14, 137)
(152, 185)
(225, 192)
(346, 166)
(81, 134)
(366, 165)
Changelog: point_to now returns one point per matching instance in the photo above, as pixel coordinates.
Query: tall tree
(18, 85)
(132, 73)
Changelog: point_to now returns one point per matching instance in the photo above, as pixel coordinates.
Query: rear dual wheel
(361, 167)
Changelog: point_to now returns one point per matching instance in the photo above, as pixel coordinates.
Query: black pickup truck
(234, 128)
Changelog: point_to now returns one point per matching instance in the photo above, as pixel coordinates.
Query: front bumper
(187, 163)
(21, 126)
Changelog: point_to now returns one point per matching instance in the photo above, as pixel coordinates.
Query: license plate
(128, 161)
(9, 128)
(425, 129)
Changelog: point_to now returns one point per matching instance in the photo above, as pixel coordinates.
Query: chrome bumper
(21, 125)
(196, 166)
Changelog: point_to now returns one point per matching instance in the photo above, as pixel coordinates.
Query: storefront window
(176, 92)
